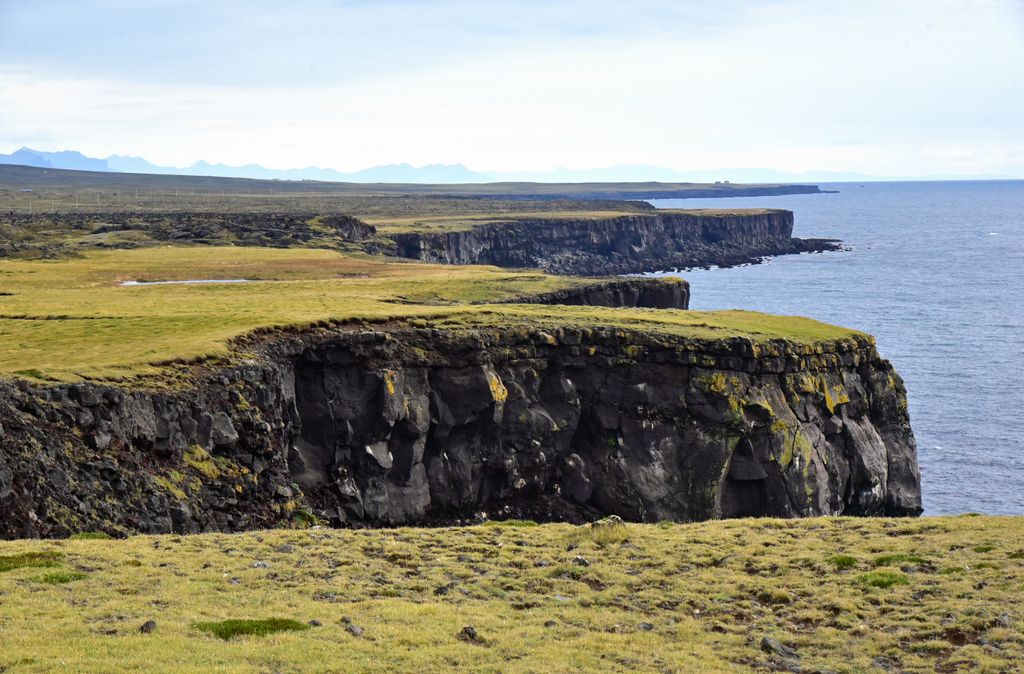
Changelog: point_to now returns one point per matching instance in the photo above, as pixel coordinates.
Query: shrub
(883, 579)
(842, 562)
(226, 629)
(984, 548)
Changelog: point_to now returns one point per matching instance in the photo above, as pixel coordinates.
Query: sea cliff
(403, 425)
(615, 245)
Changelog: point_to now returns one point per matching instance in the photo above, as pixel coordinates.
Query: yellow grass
(462, 222)
(69, 319)
(670, 598)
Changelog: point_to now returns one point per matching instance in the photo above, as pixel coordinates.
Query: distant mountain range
(449, 173)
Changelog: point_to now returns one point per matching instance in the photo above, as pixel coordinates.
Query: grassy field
(847, 595)
(24, 189)
(70, 319)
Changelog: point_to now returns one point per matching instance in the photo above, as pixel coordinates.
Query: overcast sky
(879, 86)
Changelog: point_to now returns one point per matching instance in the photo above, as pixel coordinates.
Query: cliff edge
(405, 425)
(622, 244)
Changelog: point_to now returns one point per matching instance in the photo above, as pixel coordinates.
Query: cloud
(504, 86)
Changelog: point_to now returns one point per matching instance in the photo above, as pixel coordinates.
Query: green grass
(33, 560)
(883, 579)
(59, 577)
(228, 629)
(90, 535)
(842, 562)
(672, 598)
(70, 319)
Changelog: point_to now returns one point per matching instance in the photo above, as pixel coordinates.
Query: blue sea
(935, 272)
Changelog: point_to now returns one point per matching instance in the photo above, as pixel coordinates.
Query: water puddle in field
(186, 282)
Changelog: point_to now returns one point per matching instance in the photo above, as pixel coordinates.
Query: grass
(883, 579)
(59, 577)
(463, 222)
(229, 629)
(34, 559)
(902, 559)
(91, 535)
(842, 562)
(70, 319)
(85, 191)
(672, 598)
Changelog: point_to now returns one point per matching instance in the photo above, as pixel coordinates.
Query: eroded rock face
(619, 245)
(436, 426)
(650, 293)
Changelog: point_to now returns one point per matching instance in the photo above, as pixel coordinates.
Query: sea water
(935, 272)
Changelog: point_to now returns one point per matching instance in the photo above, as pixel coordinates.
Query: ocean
(935, 272)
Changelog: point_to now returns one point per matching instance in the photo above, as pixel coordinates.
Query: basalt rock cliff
(648, 293)
(619, 245)
(400, 425)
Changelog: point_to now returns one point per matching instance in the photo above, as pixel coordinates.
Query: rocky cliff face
(625, 244)
(401, 426)
(649, 293)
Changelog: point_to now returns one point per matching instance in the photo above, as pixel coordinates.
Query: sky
(877, 86)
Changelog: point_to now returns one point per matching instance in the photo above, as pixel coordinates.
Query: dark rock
(550, 623)
(770, 645)
(1004, 620)
(354, 630)
(315, 623)
(652, 293)
(507, 421)
(148, 626)
(468, 633)
(646, 627)
(617, 245)
(223, 432)
(580, 560)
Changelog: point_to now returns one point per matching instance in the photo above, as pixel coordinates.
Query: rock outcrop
(619, 245)
(403, 425)
(650, 293)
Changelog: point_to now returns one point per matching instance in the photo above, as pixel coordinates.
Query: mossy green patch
(842, 562)
(34, 559)
(228, 629)
(883, 579)
(60, 577)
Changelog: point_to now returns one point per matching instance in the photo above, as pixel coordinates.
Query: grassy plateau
(69, 319)
(938, 594)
